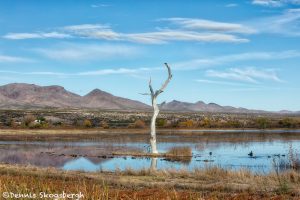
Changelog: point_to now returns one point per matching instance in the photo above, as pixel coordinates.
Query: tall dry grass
(208, 183)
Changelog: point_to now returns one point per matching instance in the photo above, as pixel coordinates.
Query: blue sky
(239, 53)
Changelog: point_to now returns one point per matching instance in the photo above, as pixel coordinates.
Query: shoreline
(74, 131)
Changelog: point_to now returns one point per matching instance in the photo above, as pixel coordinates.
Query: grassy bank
(211, 183)
(126, 131)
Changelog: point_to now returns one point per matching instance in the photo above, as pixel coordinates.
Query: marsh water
(226, 149)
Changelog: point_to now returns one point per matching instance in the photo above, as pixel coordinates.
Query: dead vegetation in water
(175, 154)
(179, 154)
(180, 151)
(291, 162)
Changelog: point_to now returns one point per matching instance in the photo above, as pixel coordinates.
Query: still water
(226, 149)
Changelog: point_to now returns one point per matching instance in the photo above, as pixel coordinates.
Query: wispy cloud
(113, 71)
(231, 5)
(98, 31)
(275, 3)
(202, 24)
(39, 35)
(219, 82)
(88, 52)
(100, 5)
(95, 31)
(13, 59)
(108, 71)
(250, 75)
(196, 30)
(227, 59)
(286, 23)
(178, 35)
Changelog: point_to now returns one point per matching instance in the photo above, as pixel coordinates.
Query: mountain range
(22, 95)
(30, 96)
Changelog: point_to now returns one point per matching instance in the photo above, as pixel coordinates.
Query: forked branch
(163, 87)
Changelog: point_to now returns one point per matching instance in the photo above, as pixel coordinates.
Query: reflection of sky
(224, 154)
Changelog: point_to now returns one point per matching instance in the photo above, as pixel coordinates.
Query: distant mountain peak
(97, 92)
(23, 95)
(200, 106)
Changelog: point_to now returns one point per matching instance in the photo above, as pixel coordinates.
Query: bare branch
(151, 89)
(166, 82)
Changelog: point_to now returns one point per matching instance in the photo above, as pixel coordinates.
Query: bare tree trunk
(153, 127)
(154, 95)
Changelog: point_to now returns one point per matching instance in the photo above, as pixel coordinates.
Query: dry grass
(180, 151)
(210, 183)
(179, 154)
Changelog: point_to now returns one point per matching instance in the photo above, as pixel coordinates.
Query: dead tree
(154, 96)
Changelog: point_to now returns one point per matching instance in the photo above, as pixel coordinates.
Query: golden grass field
(210, 183)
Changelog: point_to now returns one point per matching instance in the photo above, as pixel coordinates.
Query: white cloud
(76, 52)
(251, 75)
(188, 30)
(222, 60)
(178, 35)
(86, 27)
(286, 23)
(12, 59)
(201, 24)
(275, 3)
(135, 72)
(22, 36)
(100, 5)
(109, 71)
(98, 31)
(95, 31)
(230, 5)
(219, 82)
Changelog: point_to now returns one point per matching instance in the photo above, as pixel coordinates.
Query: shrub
(189, 123)
(161, 122)
(206, 122)
(41, 119)
(87, 123)
(28, 119)
(262, 122)
(139, 124)
(104, 124)
(11, 123)
(58, 123)
(287, 123)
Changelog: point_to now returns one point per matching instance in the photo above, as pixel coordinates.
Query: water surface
(227, 149)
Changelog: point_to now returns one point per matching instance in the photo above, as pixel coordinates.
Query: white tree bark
(154, 96)
(153, 165)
